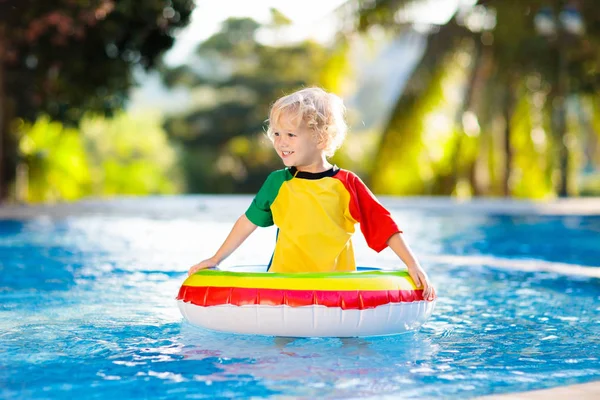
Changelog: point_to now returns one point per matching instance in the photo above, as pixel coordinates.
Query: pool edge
(582, 391)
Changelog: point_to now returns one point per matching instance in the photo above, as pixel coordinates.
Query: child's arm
(380, 231)
(240, 232)
(416, 272)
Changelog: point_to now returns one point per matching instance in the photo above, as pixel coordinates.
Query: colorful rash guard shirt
(316, 214)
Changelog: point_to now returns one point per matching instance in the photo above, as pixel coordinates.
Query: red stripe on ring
(206, 296)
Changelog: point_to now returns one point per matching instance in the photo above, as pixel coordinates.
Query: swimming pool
(87, 309)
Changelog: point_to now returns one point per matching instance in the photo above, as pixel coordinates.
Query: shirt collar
(313, 175)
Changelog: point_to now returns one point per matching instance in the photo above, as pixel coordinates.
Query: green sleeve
(259, 212)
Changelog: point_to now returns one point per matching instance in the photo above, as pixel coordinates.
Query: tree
(125, 154)
(69, 57)
(512, 62)
(225, 149)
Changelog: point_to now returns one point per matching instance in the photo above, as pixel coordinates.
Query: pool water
(87, 309)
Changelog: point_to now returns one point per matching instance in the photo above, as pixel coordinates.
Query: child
(315, 204)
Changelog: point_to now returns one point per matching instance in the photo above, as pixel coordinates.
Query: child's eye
(291, 134)
(275, 133)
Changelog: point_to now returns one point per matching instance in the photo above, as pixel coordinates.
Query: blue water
(87, 310)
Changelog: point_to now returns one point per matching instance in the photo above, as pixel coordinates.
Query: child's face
(296, 144)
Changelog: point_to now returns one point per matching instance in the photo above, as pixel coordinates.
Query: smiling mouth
(287, 153)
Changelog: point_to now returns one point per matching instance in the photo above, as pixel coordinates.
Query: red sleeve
(375, 220)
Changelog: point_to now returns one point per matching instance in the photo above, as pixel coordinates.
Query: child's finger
(427, 288)
(416, 278)
(425, 285)
(429, 292)
(432, 295)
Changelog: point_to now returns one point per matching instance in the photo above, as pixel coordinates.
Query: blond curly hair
(322, 112)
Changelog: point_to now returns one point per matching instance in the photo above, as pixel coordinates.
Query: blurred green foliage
(519, 127)
(494, 107)
(123, 155)
(56, 162)
(415, 155)
(225, 148)
(68, 58)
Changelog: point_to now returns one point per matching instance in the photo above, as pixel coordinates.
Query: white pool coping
(567, 206)
(584, 391)
(588, 206)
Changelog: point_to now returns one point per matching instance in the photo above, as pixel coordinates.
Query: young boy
(315, 204)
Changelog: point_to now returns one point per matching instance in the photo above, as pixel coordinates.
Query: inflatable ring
(368, 302)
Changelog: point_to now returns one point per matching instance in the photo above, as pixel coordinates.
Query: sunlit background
(451, 98)
(445, 97)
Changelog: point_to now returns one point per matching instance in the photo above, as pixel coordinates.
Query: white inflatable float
(368, 302)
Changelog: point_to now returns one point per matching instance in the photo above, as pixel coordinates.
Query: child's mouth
(286, 153)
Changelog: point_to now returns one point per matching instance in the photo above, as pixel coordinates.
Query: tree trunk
(472, 170)
(561, 119)
(479, 174)
(459, 168)
(8, 147)
(508, 106)
(3, 120)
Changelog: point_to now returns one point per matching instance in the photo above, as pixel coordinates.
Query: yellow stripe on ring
(373, 283)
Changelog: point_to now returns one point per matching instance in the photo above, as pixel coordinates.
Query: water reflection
(89, 302)
(310, 367)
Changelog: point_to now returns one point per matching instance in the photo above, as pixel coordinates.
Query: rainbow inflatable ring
(249, 300)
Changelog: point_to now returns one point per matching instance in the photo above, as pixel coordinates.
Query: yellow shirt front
(316, 215)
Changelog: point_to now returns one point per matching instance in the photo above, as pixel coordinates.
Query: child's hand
(419, 276)
(208, 263)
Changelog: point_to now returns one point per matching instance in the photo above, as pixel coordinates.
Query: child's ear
(321, 143)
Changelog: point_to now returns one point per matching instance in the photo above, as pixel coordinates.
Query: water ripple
(88, 301)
